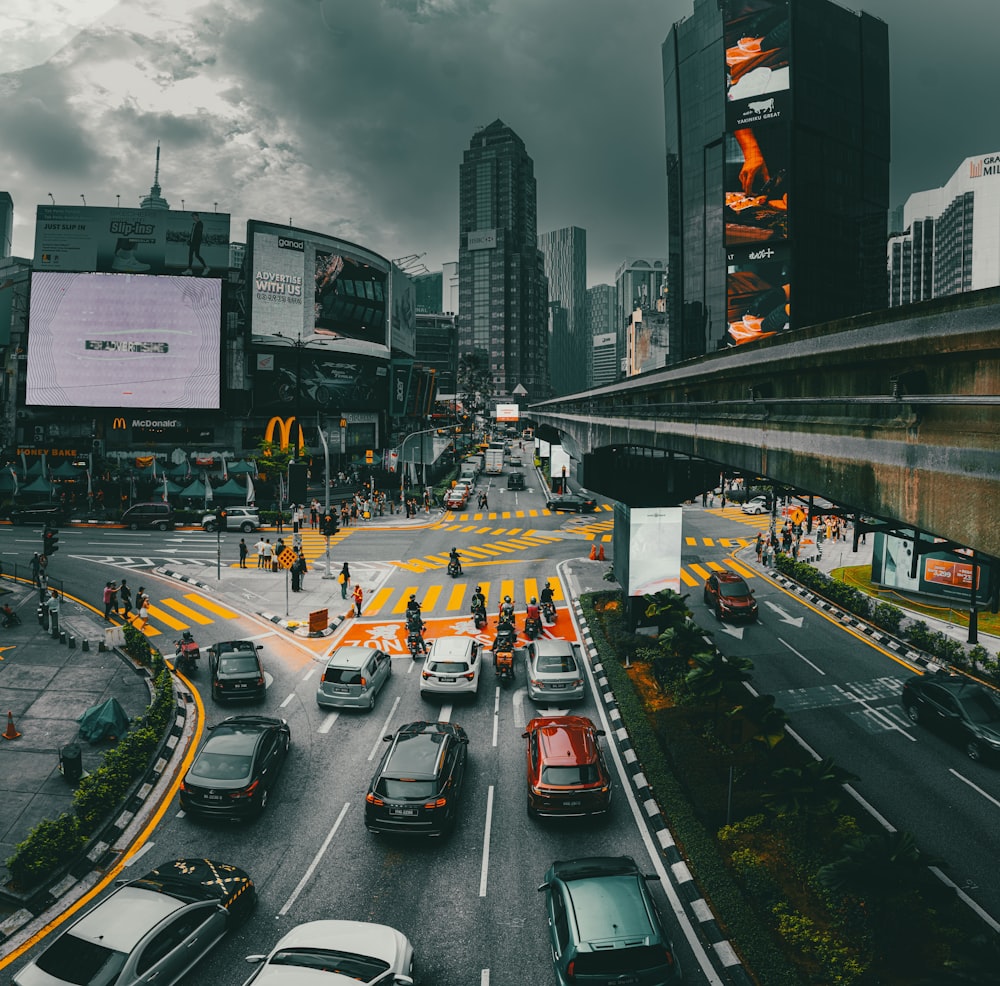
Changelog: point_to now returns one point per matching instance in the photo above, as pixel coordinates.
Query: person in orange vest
(358, 596)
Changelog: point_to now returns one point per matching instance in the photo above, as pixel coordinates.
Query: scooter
(549, 613)
(416, 644)
(532, 627)
(503, 655)
(454, 568)
(479, 615)
(186, 654)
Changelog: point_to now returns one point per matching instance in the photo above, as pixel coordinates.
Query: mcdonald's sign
(118, 424)
(284, 426)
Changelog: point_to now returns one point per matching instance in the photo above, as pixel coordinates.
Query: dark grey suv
(961, 710)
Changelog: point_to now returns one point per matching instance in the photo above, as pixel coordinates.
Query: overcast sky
(350, 117)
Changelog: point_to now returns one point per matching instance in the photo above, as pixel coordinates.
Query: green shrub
(887, 616)
(49, 845)
(752, 823)
(839, 963)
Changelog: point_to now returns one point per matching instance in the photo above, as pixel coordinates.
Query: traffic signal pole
(326, 498)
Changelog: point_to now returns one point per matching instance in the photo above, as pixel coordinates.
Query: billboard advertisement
(558, 462)
(317, 291)
(508, 412)
(404, 313)
(946, 573)
(311, 381)
(756, 168)
(131, 241)
(123, 341)
(653, 560)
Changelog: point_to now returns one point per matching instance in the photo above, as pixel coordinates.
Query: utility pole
(326, 485)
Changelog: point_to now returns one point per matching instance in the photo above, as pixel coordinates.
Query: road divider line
(328, 722)
(311, 868)
(289, 698)
(385, 725)
(975, 787)
(445, 714)
(496, 715)
(484, 872)
(801, 656)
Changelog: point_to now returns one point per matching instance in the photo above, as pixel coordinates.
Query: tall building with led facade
(565, 254)
(950, 239)
(777, 159)
(601, 321)
(502, 310)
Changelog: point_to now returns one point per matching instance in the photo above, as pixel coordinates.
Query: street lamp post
(402, 459)
(326, 486)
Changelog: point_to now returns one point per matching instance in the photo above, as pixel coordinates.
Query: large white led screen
(654, 551)
(123, 340)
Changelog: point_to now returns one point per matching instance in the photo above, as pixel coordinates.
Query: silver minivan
(352, 678)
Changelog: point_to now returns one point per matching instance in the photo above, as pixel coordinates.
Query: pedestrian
(358, 596)
(35, 568)
(125, 595)
(427, 501)
(54, 613)
(107, 600)
(268, 553)
(295, 573)
(142, 605)
(314, 514)
(243, 552)
(296, 518)
(114, 598)
(303, 568)
(259, 548)
(345, 515)
(485, 501)
(279, 546)
(43, 586)
(279, 523)
(345, 580)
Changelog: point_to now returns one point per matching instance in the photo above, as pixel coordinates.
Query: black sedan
(962, 710)
(41, 514)
(236, 671)
(154, 929)
(236, 768)
(418, 785)
(575, 502)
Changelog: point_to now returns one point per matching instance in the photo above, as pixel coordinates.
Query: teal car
(604, 925)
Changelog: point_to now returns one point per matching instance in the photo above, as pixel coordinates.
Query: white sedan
(758, 505)
(345, 952)
(452, 667)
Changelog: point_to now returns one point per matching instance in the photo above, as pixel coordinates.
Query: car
(245, 519)
(236, 767)
(577, 502)
(515, 460)
(758, 505)
(45, 514)
(157, 514)
(604, 926)
(340, 952)
(455, 499)
(962, 710)
(729, 595)
(153, 929)
(554, 671)
(235, 670)
(515, 481)
(452, 667)
(567, 773)
(353, 676)
(418, 784)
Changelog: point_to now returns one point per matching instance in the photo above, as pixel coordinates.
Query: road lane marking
(226, 614)
(187, 612)
(484, 872)
(975, 787)
(801, 656)
(328, 722)
(445, 714)
(496, 715)
(385, 725)
(291, 695)
(310, 869)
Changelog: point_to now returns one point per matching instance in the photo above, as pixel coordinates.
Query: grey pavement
(45, 685)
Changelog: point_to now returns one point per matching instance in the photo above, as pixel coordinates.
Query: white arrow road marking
(736, 632)
(795, 621)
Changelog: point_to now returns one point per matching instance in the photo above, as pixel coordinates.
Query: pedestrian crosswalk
(183, 612)
(455, 597)
(516, 540)
(505, 515)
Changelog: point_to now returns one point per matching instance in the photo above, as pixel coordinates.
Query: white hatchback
(452, 667)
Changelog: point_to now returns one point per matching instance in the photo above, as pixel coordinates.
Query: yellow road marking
(187, 612)
(379, 600)
(226, 614)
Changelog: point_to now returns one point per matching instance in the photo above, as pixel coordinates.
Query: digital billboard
(123, 341)
(939, 573)
(310, 381)
(757, 150)
(316, 291)
(404, 313)
(652, 561)
(131, 241)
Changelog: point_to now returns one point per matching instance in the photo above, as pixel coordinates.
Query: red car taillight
(247, 792)
(425, 675)
(436, 803)
(469, 675)
(372, 800)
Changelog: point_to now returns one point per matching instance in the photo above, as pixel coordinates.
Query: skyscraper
(601, 322)
(565, 256)
(503, 292)
(639, 283)
(777, 155)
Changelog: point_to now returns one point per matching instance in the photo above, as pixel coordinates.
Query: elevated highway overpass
(893, 415)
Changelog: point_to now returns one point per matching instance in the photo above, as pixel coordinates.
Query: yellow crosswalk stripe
(690, 541)
(507, 588)
(687, 579)
(212, 607)
(505, 515)
(530, 588)
(699, 571)
(404, 598)
(431, 597)
(715, 566)
(379, 600)
(187, 612)
(557, 593)
(164, 617)
(483, 530)
(456, 596)
(740, 569)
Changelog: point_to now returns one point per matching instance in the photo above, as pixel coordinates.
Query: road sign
(287, 558)
(797, 515)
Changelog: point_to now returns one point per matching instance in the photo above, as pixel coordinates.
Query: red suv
(567, 774)
(730, 596)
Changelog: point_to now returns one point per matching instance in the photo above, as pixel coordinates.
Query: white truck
(494, 460)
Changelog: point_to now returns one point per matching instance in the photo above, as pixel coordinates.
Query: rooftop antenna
(51, 196)
(83, 197)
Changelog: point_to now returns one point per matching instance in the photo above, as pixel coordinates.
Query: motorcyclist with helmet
(533, 619)
(548, 606)
(454, 562)
(414, 628)
(478, 607)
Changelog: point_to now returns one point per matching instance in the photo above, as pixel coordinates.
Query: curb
(694, 901)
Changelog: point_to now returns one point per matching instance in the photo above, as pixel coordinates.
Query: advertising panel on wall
(403, 328)
(944, 573)
(558, 462)
(316, 290)
(756, 167)
(508, 412)
(653, 560)
(123, 341)
(334, 382)
(131, 241)
(399, 392)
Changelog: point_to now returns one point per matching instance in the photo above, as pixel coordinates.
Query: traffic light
(221, 515)
(328, 525)
(50, 542)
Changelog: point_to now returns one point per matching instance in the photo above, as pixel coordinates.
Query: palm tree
(769, 723)
(814, 790)
(713, 674)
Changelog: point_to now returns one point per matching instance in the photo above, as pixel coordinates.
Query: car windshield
(585, 773)
(360, 967)
(448, 667)
(619, 961)
(555, 663)
(342, 676)
(74, 960)
(238, 664)
(220, 766)
(734, 590)
(981, 707)
(403, 789)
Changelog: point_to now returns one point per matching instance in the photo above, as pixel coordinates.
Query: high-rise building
(503, 293)
(601, 322)
(428, 292)
(437, 350)
(640, 283)
(565, 254)
(949, 237)
(777, 155)
(6, 224)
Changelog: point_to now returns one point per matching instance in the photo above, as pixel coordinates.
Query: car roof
(548, 645)
(565, 740)
(227, 645)
(360, 937)
(610, 906)
(120, 921)
(236, 737)
(351, 656)
(454, 647)
(729, 577)
(417, 750)
(958, 685)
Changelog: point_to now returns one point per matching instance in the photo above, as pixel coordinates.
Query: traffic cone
(593, 552)
(10, 732)
(600, 553)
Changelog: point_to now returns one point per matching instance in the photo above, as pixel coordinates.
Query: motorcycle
(454, 568)
(549, 612)
(479, 615)
(186, 654)
(532, 627)
(503, 654)
(416, 644)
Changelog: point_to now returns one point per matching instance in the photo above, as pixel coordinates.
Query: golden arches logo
(118, 424)
(284, 426)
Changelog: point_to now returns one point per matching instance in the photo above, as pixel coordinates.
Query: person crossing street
(358, 597)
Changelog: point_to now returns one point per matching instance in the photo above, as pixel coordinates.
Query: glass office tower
(777, 160)
(565, 256)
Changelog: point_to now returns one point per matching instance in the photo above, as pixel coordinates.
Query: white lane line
(801, 656)
(486, 843)
(328, 722)
(137, 856)
(519, 717)
(308, 674)
(381, 733)
(496, 715)
(484, 978)
(287, 700)
(312, 866)
(262, 636)
(445, 715)
(975, 787)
